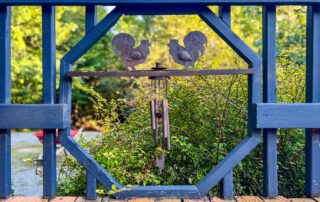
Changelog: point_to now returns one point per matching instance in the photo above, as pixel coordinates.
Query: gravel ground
(25, 182)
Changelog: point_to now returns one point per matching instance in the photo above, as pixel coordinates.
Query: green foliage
(26, 50)
(207, 120)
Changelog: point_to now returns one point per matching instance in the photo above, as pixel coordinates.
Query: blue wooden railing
(267, 115)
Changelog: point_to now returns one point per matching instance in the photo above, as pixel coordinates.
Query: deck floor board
(248, 199)
(278, 199)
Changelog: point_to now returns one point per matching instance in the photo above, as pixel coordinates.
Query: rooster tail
(122, 43)
(201, 49)
(195, 41)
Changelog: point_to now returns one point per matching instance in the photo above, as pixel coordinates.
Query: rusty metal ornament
(160, 162)
(187, 56)
(124, 46)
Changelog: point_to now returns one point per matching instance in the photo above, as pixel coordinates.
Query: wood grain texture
(304, 115)
(145, 73)
(216, 199)
(276, 199)
(137, 2)
(64, 199)
(301, 200)
(167, 200)
(248, 199)
(141, 200)
(33, 116)
(113, 200)
(83, 199)
(204, 199)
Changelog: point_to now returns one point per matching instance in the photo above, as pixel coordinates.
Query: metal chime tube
(153, 114)
(165, 122)
(154, 119)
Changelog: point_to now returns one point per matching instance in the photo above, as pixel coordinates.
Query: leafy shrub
(208, 118)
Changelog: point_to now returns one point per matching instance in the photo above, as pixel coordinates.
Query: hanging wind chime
(159, 113)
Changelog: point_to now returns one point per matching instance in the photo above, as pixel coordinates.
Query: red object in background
(39, 135)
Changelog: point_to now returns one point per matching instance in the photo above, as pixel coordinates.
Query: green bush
(208, 118)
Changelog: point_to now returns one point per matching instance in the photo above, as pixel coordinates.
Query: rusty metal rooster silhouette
(123, 45)
(194, 48)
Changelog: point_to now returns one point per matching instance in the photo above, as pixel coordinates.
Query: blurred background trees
(211, 109)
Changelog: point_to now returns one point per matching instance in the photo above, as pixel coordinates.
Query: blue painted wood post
(5, 88)
(270, 177)
(91, 182)
(312, 187)
(226, 185)
(49, 97)
(91, 17)
(225, 14)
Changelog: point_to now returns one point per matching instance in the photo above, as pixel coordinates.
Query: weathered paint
(312, 186)
(30, 116)
(270, 177)
(292, 115)
(91, 181)
(226, 184)
(49, 97)
(5, 88)
(160, 192)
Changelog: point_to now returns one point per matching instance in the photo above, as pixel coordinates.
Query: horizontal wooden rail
(304, 115)
(48, 116)
(173, 2)
(180, 191)
(142, 73)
